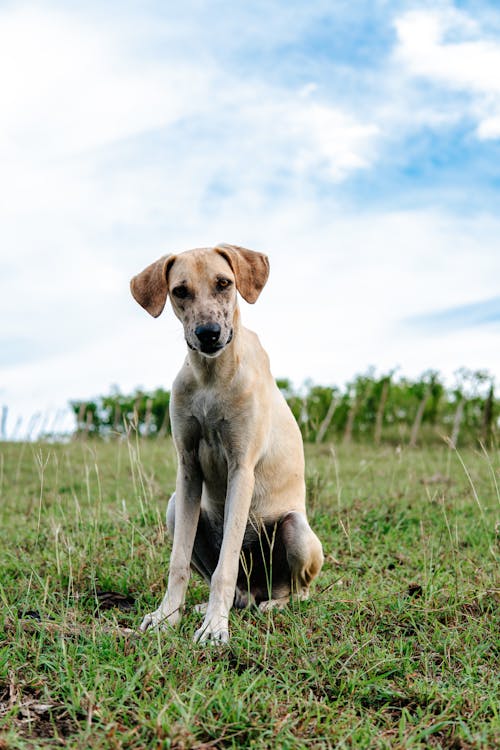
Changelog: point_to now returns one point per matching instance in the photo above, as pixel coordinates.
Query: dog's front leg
(187, 500)
(223, 584)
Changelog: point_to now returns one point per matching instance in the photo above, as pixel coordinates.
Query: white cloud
(489, 128)
(111, 158)
(77, 102)
(339, 292)
(70, 87)
(82, 190)
(449, 48)
(331, 140)
(73, 87)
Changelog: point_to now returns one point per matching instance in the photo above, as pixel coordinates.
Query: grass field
(397, 648)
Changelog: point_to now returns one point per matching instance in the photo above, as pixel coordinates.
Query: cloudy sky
(356, 142)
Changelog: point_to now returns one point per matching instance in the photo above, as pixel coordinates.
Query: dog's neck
(224, 366)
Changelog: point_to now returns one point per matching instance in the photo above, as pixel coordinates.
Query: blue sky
(461, 317)
(357, 143)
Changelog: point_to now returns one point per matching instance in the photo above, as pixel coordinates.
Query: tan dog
(238, 513)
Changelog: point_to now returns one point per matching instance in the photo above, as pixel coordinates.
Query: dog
(238, 513)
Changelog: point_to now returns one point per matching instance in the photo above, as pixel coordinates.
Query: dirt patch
(35, 716)
(113, 599)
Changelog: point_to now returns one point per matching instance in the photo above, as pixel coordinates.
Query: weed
(397, 647)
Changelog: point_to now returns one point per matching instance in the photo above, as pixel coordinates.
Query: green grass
(397, 648)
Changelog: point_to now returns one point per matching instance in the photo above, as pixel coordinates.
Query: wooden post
(117, 418)
(457, 421)
(418, 420)
(81, 416)
(3, 424)
(325, 424)
(350, 421)
(165, 424)
(89, 419)
(488, 417)
(147, 416)
(379, 420)
(135, 422)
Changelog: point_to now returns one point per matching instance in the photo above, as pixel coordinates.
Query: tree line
(388, 409)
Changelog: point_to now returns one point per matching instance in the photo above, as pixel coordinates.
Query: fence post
(350, 421)
(325, 424)
(117, 417)
(418, 420)
(81, 417)
(488, 417)
(379, 420)
(165, 424)
(457, 421)
(147, 417)
(89, 420)
(3, 425)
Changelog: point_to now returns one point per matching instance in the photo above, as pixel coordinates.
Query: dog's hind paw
(269, 604)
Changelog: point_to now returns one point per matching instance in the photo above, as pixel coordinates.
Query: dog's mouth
(211, 349)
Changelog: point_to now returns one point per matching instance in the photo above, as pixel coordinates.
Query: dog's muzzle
(208, 336)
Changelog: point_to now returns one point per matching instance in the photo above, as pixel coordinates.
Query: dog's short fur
(238, 513)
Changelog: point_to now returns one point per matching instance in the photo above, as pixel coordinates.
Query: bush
(389, 409)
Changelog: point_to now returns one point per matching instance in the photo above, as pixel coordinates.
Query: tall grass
(397, 648)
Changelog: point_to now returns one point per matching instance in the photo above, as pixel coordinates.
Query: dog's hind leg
(284, 559)
(303, 551)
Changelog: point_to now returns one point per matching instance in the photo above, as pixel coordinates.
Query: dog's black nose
(208, 334)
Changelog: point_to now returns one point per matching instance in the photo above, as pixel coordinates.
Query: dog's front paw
(213, 630)
(159, 620)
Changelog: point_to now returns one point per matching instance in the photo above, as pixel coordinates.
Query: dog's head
(202, 286)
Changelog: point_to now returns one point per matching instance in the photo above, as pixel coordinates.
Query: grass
(397, 648)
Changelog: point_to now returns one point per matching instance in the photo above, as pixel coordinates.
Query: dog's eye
(223, 284)
(180, 292)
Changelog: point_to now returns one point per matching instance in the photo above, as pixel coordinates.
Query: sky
(357, 143)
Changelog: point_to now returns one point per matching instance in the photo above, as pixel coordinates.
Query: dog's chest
(208, 410)
(215, 442)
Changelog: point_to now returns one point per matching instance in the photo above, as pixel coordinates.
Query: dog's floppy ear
(149, 288)
(250, 269)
